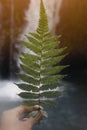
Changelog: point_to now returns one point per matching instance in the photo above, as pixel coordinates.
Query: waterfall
(11, 36)
(56, 14)
(32, 14)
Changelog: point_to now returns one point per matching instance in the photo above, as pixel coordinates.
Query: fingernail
(37, 106)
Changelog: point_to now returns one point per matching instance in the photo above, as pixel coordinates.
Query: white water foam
(9, 91)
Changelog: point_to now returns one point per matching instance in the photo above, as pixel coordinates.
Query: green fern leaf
(51, 53)
(28, 79)
(41, 69)
(28, 95)
(28, 87)
(43, 21)
(50, 94)
(50, 86)
(30, 103)
(34, 41)
(30, 57)
(30, 71)
(52, 61)
(36, 36)
(32, 47)
(52, 70)
(51, 79)
(48, 103)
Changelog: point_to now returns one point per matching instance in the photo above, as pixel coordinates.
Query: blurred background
(66, 17)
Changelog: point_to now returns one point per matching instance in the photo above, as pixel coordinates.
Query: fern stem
(42, 35)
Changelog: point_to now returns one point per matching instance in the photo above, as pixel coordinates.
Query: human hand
(11, 118)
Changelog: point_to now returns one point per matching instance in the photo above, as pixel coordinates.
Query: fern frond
(34, 41)
(52, 61)
(43, 21)
(30, 57)
(51, 46)
(27, 87)
(36, 36)
(41, 68)
(43, 103)
(51, 79)
(48, 103)
(52, 70)
(51, 53)
(29, 79)
(50, 86)
(28, 95)
(30, 103)
(50, 39)
(32, 47)
(50, 94)
(30, 71)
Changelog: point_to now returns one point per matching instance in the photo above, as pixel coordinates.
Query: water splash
(10, 91)
(32, 14)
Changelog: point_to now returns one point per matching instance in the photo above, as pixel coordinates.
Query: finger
(35, 120)
(38, 118)
(31, 108)
(26, 109)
